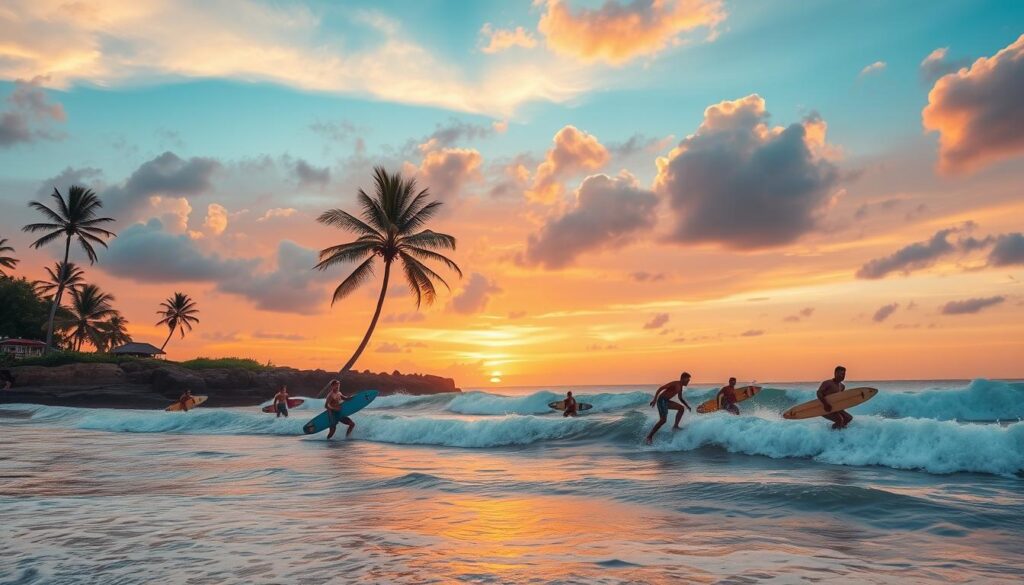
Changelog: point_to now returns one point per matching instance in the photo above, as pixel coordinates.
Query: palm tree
(66, 275)
(6, 261)
(178, 313)
(391, 229)
(90, 314)
(74, 218)
(115, 333)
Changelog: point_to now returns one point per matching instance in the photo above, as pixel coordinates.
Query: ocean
(491, 486)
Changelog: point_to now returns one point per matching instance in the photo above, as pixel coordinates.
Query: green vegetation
(230, 363)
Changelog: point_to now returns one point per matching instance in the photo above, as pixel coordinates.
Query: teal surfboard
(322, 422)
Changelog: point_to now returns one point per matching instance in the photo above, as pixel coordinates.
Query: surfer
(571, 408)
(281, 402)
(184, 400)
(333, 406)
(663, 398)
(840, 419)
(727, 397)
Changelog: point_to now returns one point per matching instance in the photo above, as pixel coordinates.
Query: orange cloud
(976, 111)
(501, 39)
(616, 34)
(448, 170)
(216, 219)
(574, 151)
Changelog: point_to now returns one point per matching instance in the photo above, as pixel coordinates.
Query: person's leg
(680, 409)
(657, 425)
(847, 418)
(835, 417)
(731, 407)
(351, 425)
(334, 425)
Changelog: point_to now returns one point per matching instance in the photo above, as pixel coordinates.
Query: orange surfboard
(838, 401)
(742, 394)
(194, 402)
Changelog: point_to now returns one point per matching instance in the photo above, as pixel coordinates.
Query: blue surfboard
(322, 422)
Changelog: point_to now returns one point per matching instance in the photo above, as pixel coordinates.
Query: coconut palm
(73, 218)
(178, 313)
(6, 261)
(66, 275)
(391, 229)
(90, 315)
(115, 333)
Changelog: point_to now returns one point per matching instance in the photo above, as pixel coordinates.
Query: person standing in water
(571, 408)
(185, 399)
(281, 402)
(663, 398)
(333, 406)
(840, 419)
(727, 397)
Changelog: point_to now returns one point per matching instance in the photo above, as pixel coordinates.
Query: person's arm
(821, 397)
(683, 400)
(658, 393)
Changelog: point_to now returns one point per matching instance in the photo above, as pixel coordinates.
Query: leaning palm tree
(6, 261)
(179, 312)
(115, 333)
(66, 275)
(73, 218)
(390, 228)
(90, 313)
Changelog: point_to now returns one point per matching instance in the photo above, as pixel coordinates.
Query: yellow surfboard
(742, 394)
(838, 401)
(192, 403)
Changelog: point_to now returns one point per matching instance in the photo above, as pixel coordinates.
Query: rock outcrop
(154, 383)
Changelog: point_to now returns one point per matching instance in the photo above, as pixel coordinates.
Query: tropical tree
(64, 275)
(391, 229)
(91, 312)
(74, 218)
(6, 261)
(115, 333)
(178, 312)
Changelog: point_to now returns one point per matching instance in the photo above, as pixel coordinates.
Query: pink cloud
(574, 151)
(617, 33)
(976, 111)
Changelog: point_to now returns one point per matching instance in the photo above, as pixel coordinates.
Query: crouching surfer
(663, 399)
(333, 406)
(727, 397)
(840, 419)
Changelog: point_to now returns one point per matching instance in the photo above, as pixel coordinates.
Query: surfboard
(192, 403)
(292, 403)
(839, 401)
(742, 394)
(351, 406)
(560, 406)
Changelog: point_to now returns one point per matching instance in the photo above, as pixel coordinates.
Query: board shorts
(663, 407)
(337, 418)
(730, 406)
(282, 408)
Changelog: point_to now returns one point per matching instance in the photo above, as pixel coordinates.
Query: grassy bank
(63, 358)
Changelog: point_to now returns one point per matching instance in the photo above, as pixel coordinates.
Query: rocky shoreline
(155, 384)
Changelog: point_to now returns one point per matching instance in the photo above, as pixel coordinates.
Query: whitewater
(493, 486)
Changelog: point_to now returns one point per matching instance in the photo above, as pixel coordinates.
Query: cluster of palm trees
(390, 226)
(89, 318)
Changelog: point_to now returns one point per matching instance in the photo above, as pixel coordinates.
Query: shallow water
(926, 485)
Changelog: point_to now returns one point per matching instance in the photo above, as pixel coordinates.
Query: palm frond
(426, 270)
(361, 274)
(346, 221)
(344, 253)
(424, 254)
(429, 239)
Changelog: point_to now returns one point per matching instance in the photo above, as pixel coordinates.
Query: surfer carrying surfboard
(333, 406)
(185, 399)
(727, 397)
(663, 398)
(840, 419)
(281, 402)
(571, 408)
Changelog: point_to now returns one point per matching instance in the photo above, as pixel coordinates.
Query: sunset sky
(757, 189)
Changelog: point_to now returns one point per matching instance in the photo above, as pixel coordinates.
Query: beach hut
(136, 349)
(21, 349)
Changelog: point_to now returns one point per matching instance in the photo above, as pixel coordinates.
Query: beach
(493, 487)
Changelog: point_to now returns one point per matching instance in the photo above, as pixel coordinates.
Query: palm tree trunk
(56, 298)
(373, 322)
(169, 334)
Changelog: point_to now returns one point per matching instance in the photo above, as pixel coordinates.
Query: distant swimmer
(727, 397)
(840, 419)
(333, 406)
(185, 399)
(281, 402)
(571, 408)
(663, 398)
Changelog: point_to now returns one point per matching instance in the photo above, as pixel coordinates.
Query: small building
(21, 349)
(136, 349)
